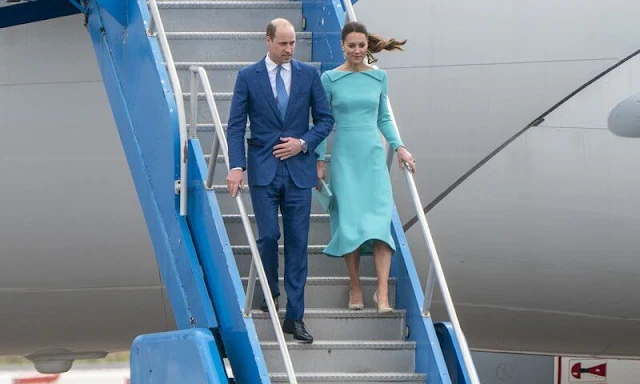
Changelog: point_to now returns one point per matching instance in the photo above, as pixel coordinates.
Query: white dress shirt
(272, 69)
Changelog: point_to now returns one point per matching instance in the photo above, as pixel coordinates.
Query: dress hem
(393, 249)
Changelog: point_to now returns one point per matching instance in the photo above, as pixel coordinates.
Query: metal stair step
(318, 266)
(328, 292)
(217, 16)
(228, 205)
(205, 133)
(220, 176)
(220, 158)
(343, 356)
(340, 324)
(229, 46)
(223, 103)
(353, 378)
(320, 232)
(245, 250)
(222, 75)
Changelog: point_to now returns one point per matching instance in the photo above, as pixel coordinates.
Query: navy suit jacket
(253, 98)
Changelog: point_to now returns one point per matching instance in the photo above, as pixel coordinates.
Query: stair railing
(199, 75)
(157, 29)
(435, 269)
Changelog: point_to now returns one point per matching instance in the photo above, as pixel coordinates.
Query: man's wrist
(303, 146)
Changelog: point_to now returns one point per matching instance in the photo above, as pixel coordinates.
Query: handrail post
(213, 160)
(251, 286)
(193, 124)
(428, 290)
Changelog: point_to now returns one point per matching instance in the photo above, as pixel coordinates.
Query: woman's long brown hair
(376, 43)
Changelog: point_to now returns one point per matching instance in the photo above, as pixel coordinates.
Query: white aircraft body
(539, 243)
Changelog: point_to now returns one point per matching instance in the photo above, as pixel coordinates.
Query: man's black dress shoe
(264, 308)
(297, 329)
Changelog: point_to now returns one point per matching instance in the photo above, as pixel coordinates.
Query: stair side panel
(325, 19)
(188, 356)
(144, 110)
(452, 353)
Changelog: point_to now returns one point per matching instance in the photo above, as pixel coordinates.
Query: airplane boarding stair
(198, 231)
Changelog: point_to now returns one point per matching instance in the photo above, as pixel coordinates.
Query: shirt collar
(272, 66)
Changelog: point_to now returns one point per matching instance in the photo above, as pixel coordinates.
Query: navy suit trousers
(295, 205)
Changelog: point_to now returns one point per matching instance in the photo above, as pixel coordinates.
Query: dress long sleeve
(321, 149)
(385, 122)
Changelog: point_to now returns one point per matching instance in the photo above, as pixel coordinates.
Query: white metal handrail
(157, 29)
(220, 142)
(435, 269)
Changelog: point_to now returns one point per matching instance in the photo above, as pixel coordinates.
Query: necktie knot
(281, 90)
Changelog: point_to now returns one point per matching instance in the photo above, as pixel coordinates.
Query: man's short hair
(274, 24)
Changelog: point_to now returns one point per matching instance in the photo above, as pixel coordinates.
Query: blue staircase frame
(194, 255)
(193, 355)
(144, 109)
(452, 353)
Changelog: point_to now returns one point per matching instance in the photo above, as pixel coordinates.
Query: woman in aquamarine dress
(362, 196)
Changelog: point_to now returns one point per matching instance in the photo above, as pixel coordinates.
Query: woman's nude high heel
(381, 309)
(353, 305)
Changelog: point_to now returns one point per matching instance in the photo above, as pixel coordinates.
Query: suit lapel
(265, 84)
(295, 87)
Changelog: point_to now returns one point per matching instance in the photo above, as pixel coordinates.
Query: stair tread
(347, 344)
(335, 313)
(216, 95)
(347, 376)
(244, 249)
(220, 159)
(187, 4)
(335, 280)
(223, 64)
(224, 188)
(236, 218)
(227, 35)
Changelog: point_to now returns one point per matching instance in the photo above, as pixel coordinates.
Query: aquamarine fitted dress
(359, 179)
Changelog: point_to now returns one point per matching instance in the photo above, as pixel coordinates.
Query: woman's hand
(320, 169)
(404, 157)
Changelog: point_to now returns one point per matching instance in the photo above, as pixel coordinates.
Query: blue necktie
(283, 97)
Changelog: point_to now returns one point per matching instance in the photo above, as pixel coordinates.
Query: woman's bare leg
(353, 266)
(382, 258)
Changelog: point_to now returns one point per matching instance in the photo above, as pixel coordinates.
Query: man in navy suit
(276, 94)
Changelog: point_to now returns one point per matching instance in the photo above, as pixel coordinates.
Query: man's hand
(288, 147)
(234, 181)
(320, 169)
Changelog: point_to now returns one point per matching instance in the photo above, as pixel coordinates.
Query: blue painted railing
(188, 356)
(33, 11)
(452, 353)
